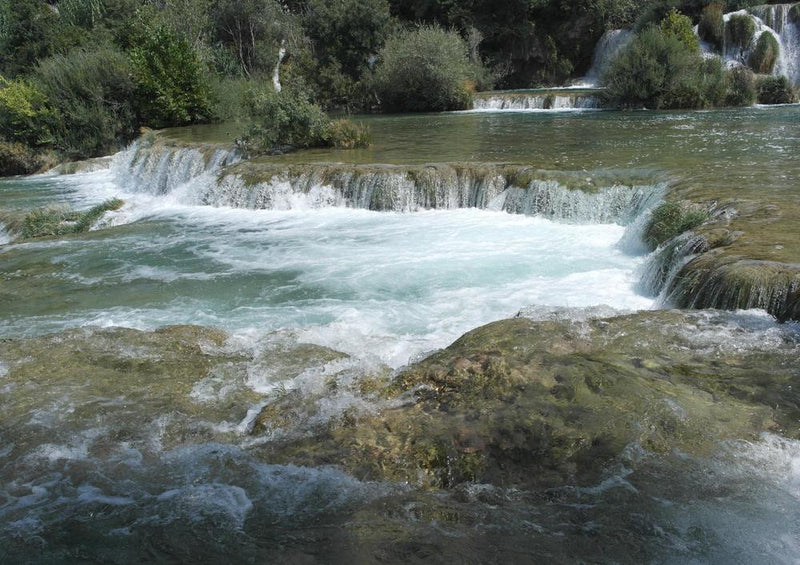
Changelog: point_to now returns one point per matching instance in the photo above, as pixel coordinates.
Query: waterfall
(198, 178)
(276, 74)
(535, 100)
(610, 44)
(151, 166)
(778, 18)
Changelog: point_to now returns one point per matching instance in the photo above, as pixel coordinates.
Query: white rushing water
(390, 285)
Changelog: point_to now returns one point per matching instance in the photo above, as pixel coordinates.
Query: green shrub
(25, 116)
(346, 134)
(91, 93)
(17, 159)
(657, 70)
(794, 13)
(712, 26)
(740, 30)
(171, 87)
(427, 69)
(775, 90)
(671, 219)
(765, 54)
(741, 87)
(59, 220)
(282, 121)
(347, 32)
(680, 27)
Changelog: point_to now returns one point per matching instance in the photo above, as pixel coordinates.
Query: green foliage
(347, 32)
(58, 221)
(252, 31)
(742, 87)
(765, 54)
(283, 121)
(346, 134)
(740, 30)
(712, 26)
(794, 13)
(171, 86)
(775, 90)
(680, 27)
(671, 219)
(657, 71)
(91, 93)
(25, 116)
(27, 34)
(426, 69)
(18, 159)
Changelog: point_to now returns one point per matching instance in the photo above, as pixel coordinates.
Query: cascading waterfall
(151, 167)
(774, 19)
(203, 180)
(778, 18)
(535, 100)
(610, 44)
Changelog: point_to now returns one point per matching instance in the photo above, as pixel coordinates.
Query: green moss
(775, 90)
(794, 13)
(58, 221)
(765, 54)
(671, 219)
(740, 30)
(712, 26)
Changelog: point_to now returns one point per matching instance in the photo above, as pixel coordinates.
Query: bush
(345, 134)
(282, 121)
(17, 159)
(91, 93)
(427, 69)
(25, 116)
(794, 13)
(57, 221)
(671, 219)
(712, 26)
(741, 87)
(347, 32)
(171, 88)
(775, 90)
(740, 30)
(680, 27)
(657, 71)
(765, 54)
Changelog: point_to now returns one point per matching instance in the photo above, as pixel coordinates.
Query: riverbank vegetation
(81, 77)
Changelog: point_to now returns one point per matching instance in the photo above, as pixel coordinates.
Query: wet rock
(534, 404)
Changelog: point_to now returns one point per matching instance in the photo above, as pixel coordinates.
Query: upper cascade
(214, 178)
(775, 19)
(779, 18)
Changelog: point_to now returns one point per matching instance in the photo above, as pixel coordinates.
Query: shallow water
(97, 471)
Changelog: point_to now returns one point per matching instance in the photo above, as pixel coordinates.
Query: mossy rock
(712, 26)
(740, 30)
(671, 219)
(542, 403)
(765, 54)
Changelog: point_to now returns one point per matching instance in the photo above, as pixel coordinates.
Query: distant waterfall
(518, 100)
(610, 44)
(774, 19)
(778, 18)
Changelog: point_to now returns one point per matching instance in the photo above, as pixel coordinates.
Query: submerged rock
(529, 403)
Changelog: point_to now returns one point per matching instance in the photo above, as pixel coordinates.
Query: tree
(347, 31)
(425, 69)
(252, 30)
(170, 82)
